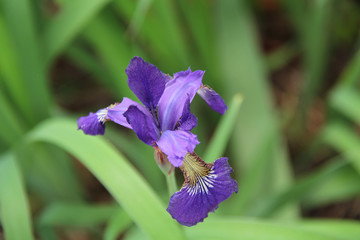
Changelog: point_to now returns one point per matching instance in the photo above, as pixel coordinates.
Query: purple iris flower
(164, 121)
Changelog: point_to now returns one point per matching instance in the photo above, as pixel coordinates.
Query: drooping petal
(184, 85)
(176, 144)
(205, 186)
(212, 98)
(94, 123)
(146, 81)
(143, 125)
(116, 113)
(188, 120)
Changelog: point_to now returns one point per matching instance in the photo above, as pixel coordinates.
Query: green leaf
(341, 229)
(68, 23)
(108, 40)
(10, 72)
(253, 230)
(315, 39)
(161, 32)
(242, 65)
(304, 186)
(344, 139)
(346, 100)
(340, 186)
(75, 215)
(49, 173)
(351, 74)
(119, 222)
(85, 60)
(22, 29)
(14, 208)
(141, 155)
(11, 129)
(115, 173)
(224, 130)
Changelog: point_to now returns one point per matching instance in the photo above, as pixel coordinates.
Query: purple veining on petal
(116, 113)
(143, 126)
(212, 98)
(146, 81)
(205, 186)
(92, 124)
(188, 120)
(183, 85)
(176, 144)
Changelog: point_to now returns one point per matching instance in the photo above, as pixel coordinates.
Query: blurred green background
(288, 69)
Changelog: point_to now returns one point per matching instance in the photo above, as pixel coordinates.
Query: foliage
(41, 193)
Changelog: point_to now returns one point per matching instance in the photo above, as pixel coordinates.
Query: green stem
(171, 182)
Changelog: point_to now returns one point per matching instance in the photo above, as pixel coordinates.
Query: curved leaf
(14, 209)
(115, 173)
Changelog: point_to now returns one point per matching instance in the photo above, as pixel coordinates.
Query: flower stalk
(171, 182)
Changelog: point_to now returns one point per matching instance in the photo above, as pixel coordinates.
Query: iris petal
(146, 81)
(212, 98)
(116, 113)
(184, 85)
(92, 124)
(176, 144)
(205, 186)
(143, 126)
(188, 120)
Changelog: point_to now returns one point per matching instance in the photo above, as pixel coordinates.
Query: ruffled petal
(146, 81)
(94, 123)
(176, 144)
(212, 98)
(188, 120)
(184, 85)
(143, 126)
(116, 113)
(205, 186)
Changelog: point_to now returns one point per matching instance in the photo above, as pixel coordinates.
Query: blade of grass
(83, 59)
(49, 173)
(198, 16)
(346, 100)
(301, 188)
(11, 127)
(316, 46)
(19, 21)
(138, 18)
(352, 71)
(119, 222)
(224, 130)
(68, 23)
(141, 155)
(9, 69)
(115, 173)
(106, 36)
(14, 208)
(75, 215)
(341, 229)
(223, 228)
(241, 63)
(343, 185)
(344, 139)
(161, 31)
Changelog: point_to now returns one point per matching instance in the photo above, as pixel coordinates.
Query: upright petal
(146, 81)
(188, 120)
(212, 98)
(183, 86)
(205, 186)
(92, 124)
(176, 144)
(143, 125)
(116, 113)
